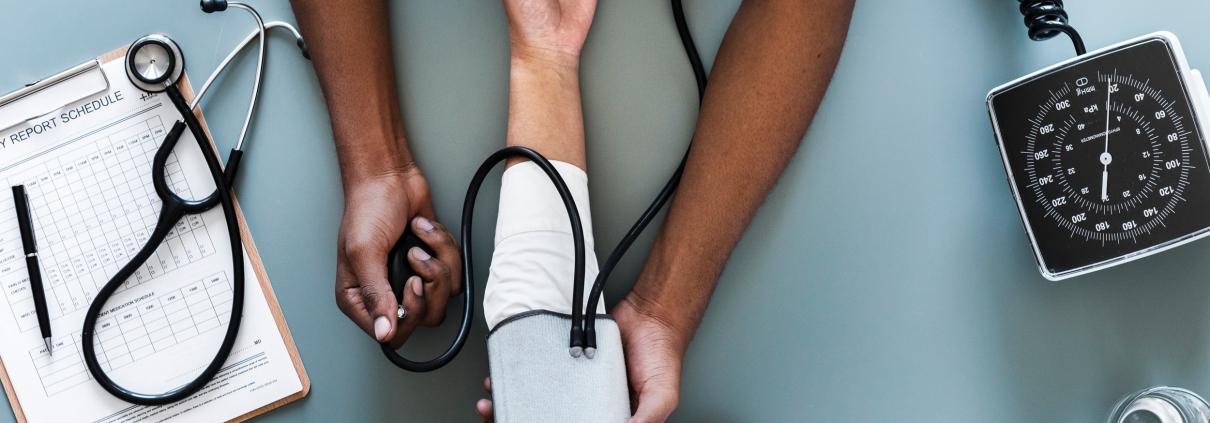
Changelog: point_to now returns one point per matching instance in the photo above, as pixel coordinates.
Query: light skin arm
(350, 46)
(544, 111)
(772, 70)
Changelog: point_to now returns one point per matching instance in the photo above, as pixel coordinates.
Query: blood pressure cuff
(535, 379)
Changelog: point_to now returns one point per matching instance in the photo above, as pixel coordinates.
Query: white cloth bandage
(534, 258)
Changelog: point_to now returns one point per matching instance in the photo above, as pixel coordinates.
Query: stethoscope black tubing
(699, 73)
(468, 272)
(173, 208)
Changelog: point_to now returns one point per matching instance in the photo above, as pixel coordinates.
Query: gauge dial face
(1105, 157)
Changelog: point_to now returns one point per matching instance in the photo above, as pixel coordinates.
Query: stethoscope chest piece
(1161, 404)
(154, 62)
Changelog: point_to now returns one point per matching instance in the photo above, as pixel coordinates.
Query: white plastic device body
(1200, 102)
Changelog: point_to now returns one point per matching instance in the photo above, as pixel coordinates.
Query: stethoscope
(155, 64)
(583, 339)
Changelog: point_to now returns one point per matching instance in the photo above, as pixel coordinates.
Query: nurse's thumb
(380, 303)
(369, 266)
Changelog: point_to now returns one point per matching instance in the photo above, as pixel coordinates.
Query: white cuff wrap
(534, 258)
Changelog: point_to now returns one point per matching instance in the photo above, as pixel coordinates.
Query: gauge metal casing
(1048, 130)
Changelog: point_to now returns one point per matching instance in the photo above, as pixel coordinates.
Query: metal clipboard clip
(52, 94)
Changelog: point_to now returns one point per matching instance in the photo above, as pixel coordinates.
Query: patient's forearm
(771, 73)
(544, 105)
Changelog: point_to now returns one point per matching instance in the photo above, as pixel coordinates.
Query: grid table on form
(92, 211)
(139, 330)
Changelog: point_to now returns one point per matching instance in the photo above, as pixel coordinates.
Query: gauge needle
(1106, 159)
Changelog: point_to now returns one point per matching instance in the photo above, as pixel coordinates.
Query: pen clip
(33, 234)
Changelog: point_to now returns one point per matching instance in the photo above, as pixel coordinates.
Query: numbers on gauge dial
(1108, 158)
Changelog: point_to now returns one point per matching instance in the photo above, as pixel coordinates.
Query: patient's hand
(552, 30)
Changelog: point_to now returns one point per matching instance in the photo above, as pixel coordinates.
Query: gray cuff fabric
(534, 379)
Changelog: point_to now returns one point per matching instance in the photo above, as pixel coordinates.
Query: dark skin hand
(385, 191)
(771, 73)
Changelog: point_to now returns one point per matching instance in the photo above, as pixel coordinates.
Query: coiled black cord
(1046, 19)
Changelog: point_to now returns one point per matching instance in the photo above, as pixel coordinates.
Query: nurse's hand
(549, 30)
(377, 211)
(655, 352)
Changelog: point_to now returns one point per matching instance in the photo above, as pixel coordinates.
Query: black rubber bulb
(398, 268)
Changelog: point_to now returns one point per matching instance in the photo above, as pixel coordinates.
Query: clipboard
(83, 80)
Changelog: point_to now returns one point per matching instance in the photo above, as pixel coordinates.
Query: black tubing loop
(468, 272)
(699, 73)
(1046, 19)
(159, 163)
(170, 213)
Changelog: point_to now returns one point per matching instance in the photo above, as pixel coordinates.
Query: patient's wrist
(534, 59)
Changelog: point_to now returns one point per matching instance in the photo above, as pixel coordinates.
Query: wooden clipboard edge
(12, 395)
(257, 266)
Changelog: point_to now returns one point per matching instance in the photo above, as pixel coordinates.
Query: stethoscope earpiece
(154, 62)
(211, 6)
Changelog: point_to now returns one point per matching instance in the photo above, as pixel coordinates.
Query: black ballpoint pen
(26, 224)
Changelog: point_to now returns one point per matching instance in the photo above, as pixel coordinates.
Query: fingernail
(381, 327)
(417, 285)
(424, 224)
(420, 254)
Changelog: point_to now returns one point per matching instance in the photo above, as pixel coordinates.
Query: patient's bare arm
(544, 111)
(544, 83)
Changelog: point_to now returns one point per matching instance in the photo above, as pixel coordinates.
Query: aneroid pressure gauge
(1106, 155)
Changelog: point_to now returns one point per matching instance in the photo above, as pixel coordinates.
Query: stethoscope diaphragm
(153, 62)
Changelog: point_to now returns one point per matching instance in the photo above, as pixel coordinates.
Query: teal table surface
(887, 277)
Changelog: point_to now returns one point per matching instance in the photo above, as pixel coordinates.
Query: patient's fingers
(484, 408)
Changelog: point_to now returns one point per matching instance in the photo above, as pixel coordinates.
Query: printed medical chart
(87, 172)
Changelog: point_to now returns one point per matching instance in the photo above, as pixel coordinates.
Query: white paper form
(87, 172)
